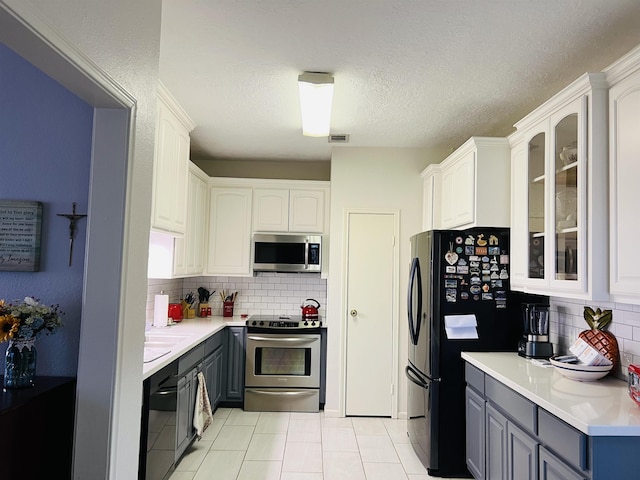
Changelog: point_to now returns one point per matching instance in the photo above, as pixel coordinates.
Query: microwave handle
(306, 254)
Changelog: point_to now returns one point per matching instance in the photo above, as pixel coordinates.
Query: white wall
(384, 178)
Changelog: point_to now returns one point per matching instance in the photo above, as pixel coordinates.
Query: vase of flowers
(20, 324)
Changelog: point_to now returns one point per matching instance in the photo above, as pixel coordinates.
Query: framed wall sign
(20, 227)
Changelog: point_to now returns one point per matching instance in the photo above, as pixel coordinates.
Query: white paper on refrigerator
(459, 327)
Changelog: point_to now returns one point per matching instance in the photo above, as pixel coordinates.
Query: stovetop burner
(282, 322)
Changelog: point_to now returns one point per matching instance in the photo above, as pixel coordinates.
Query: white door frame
(394, 309)
(108, 394)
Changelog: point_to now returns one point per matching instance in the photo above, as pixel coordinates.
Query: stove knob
(305, 323)
(313, 324)
(261, 323)
(254, 323)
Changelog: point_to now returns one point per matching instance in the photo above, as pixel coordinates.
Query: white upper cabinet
(431, 182)
(279, 209)
(170, 166)
(190, 251)
(306, 210)
(271, 210)
(624, 172)
(229, 245)
(470, 187)
(559, 194)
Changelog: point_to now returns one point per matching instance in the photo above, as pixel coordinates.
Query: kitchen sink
(158, 344)
(163, 340)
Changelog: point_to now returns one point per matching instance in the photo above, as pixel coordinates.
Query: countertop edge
(587, 428)
(198, 329)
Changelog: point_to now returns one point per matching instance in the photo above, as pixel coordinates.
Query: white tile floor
(243, 445)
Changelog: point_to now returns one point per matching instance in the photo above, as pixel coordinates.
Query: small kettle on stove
(309, 311)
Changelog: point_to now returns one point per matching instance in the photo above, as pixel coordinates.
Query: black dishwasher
(158, 431)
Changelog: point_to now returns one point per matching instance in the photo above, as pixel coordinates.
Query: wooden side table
(36, 429)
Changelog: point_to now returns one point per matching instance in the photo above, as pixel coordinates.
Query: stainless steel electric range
(282, 364)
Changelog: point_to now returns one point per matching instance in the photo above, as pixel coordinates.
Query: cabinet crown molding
(623, 67)
(583, 85)
(165, 95)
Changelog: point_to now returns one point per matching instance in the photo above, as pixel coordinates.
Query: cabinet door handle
(284, 393)
(282, 339)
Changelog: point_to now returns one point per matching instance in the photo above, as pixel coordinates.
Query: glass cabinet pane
(536, 205)
(566, 204)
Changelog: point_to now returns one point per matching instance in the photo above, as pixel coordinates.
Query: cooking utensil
(204, 294)
(310, 311)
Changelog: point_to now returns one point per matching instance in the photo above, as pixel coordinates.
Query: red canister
(634, 382)
(175, 312)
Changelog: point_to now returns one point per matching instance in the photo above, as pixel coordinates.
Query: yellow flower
(8, 327)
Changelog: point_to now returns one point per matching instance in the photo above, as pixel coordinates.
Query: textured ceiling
(413, 73)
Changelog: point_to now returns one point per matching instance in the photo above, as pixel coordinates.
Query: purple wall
(45, 155)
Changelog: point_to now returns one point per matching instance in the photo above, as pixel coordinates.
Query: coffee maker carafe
(535, 340)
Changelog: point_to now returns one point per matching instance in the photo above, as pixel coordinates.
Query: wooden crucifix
(73, 218)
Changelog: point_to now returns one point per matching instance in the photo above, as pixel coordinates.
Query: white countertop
(196, 331)
(599, 408)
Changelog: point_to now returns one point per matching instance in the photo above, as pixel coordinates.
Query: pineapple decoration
(603, 341)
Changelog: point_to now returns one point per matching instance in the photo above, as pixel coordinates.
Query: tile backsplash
(567, 321)
(264, 293)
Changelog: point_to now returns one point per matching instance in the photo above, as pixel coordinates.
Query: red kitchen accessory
(309, 311)
(175, 311)
(634, 383)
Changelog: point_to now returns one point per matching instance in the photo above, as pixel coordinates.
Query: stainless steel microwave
(287, 253)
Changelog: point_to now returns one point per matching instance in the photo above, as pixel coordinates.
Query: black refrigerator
(458, 300)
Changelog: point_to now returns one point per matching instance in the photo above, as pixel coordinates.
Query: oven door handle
(282, 339)
(283, 393)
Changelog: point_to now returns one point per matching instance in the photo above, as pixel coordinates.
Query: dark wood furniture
(36, 429)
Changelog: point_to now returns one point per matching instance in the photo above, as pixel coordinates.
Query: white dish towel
(202, 415)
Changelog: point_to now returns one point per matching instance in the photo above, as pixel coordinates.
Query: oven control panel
(282, 323)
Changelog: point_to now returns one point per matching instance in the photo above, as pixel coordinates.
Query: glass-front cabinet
(559, 194)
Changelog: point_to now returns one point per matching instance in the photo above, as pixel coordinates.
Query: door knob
(353, 312)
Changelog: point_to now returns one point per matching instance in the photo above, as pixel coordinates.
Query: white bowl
(581, 372)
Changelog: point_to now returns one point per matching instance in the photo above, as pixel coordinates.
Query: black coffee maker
(535, 339)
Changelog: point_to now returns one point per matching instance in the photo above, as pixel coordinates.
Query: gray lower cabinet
(552, 468)
(235, 361)
(214, 367)
(522, 454)
(475, 430)
(511, 438)
(184, 411)
(214, 376)
(496, 444)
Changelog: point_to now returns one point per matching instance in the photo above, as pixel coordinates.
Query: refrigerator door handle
(415, 377)
(414, 320)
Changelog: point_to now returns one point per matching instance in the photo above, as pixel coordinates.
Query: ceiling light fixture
(316, 95)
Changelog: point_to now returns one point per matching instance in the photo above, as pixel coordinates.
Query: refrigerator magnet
(493, 240)
(504, 259)
(451, 295)
(470, 240)
(481, 241)
(487, 296)
(450, 269)
(494, 250)
(469, 250)
(481, 250)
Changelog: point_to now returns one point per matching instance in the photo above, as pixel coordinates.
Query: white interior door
(371, 260)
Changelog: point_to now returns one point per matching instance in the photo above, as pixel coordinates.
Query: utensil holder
(227, 309)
